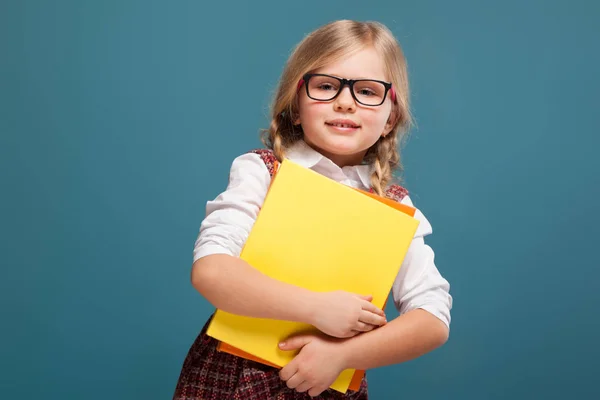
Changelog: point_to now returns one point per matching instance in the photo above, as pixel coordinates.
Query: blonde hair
(323, 46)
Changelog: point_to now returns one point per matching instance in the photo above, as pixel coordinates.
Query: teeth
(343, 125)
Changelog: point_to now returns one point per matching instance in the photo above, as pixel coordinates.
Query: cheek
(311, 113)
(375, 121)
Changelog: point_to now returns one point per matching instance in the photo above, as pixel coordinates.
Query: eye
(326, 86)
(366, 92)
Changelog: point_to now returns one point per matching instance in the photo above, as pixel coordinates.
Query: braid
(385, 158)
(281, 135)
(278, 149)
(376, 177)
(271, 138)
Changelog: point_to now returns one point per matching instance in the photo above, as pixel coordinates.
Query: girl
(340, 110)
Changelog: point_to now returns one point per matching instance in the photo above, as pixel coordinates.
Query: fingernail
(282, 344)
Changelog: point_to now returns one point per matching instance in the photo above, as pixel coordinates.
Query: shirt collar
(304, 155)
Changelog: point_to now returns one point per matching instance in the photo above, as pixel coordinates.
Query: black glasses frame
(350, 83)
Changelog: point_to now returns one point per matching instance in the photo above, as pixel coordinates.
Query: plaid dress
(208, 374)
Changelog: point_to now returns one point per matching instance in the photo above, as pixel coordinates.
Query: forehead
(366, 63)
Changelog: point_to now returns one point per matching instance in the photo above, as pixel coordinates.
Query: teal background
(119, 120)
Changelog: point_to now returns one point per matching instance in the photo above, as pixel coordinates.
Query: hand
(316, 367)
(343, 314)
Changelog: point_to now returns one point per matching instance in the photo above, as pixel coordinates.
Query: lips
(343, 123)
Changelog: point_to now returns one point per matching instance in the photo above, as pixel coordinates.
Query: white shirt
(230, 217)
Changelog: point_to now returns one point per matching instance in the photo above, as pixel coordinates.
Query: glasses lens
(323, 87)
(369, 92)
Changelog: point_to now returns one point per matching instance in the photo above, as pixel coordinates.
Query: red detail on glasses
(300, 84)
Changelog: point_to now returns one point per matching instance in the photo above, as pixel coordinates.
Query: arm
(322, 359)
(232, 285)
(407, 337)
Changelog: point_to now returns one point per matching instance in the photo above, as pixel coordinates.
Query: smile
(343, 125)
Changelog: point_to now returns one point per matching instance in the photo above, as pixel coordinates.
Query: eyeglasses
(368, 92)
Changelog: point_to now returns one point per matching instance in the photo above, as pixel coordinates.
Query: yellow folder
(319, 234)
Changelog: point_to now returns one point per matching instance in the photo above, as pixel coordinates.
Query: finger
(294, 343)
(367, 306)
(315, 391)
(288, 371)
(303, 387)
(294, 381)
(362, 327)
(366, 297)
(371, 319)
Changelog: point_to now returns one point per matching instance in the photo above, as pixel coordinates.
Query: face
(320, 120)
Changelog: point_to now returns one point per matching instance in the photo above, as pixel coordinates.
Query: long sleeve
(419, 283)
(230, 217)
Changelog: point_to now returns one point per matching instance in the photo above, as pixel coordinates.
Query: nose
(344, 101)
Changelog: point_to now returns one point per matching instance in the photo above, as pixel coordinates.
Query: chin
(341, 151)
(345, 146)
(340, 146)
